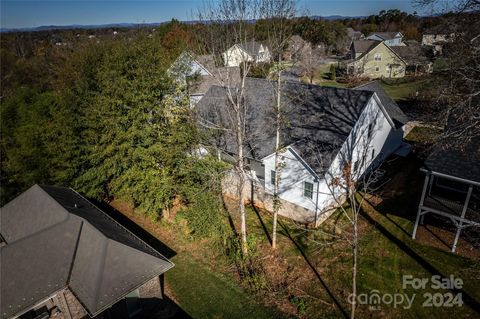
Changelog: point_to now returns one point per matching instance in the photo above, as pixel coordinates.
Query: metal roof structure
(56, 239)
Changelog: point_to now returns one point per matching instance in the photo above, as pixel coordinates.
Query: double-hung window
(272, 177)
(308, 190)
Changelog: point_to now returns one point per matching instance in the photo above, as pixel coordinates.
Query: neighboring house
(415, 56)
(389, 38)
(435, 38)
(452, 186)
(374, 59)
(324, 128)
(188, 64)
(63, 257)
(199, 72)
(352, 35)
(296, 48)
(252, 51)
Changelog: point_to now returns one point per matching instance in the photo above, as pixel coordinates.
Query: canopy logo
(374, 299)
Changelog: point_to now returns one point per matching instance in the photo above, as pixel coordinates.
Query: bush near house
(333, 72)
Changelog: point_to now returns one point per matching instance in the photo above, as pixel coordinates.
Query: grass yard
(309, 275)
(387, 252)
(205, 293)
(403, 91)
(199, 283)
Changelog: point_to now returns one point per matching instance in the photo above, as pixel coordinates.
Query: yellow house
(374, 59)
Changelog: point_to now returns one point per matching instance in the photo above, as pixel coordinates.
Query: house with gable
(389, 38)
(352, 35)
(251, 51)
(374, 59)
(199, 72)
(325, 128)
(189, 64)
(62, 257)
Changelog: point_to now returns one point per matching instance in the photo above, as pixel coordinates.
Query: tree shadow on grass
(264, 227)
(312, 267)
(136, 229)
(230, 218)
(403, 230)
(467, 298)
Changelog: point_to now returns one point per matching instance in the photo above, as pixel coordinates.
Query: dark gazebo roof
(462, 162)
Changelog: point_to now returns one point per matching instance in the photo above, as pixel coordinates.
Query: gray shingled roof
(363, 46)
(384, 35)
(57, 239)
(207, 60)
(413, 53)
(353, 35)
(251, 47)
(462, 162)
(396, 114)
(220, 76)
(317, 120)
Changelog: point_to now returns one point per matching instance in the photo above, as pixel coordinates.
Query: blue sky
(23, 13)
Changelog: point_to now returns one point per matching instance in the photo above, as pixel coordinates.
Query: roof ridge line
(75, 252)
(120, 225)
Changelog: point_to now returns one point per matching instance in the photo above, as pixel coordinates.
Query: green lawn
(402, 91)
(205, 293)
(387, 252)
(423, 134)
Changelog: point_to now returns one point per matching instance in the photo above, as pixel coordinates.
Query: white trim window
(308, 190)
(377, 57)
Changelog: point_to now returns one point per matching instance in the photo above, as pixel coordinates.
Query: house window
(377, 57)
(355, 166)
(308, 190)
(377, 68)
(272, 177)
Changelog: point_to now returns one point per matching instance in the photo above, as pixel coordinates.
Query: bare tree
(348, 185)
(228, 24)
(310, 61)
(458, 84)
(278, 13)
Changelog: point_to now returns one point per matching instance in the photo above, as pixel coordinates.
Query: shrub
(259, 71)
(248, 265)
(333, 72)
(300, 303)
(205, 216)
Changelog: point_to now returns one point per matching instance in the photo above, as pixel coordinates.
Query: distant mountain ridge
(132, 25)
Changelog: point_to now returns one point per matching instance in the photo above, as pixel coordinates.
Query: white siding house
(198, 73)
(249, 52)
(327, 128)
(187, 65)
(369, 150)
(389, 38)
